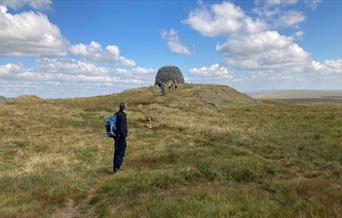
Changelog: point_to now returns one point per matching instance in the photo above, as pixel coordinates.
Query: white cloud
(276, 13)
(276, 2)
(52, 72)
(261, 54)
(143, 71)
(138, 75)
(291, 19)
(329, 67)
(70, 67)
(64, 72)
(29, 33)
(213, 71)
(36, 4)
(9, 68)
(173, 43)
(95, 53)
(298, 35)
(268, 52)
(222, 19)
(313, 4)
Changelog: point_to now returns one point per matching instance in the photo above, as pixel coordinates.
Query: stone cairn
(167, 73)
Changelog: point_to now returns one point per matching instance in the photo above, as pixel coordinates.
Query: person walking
(120, 139)
(161, 87)
(175, 83)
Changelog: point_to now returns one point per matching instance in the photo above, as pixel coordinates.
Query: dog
(170, 85)
(148, 122)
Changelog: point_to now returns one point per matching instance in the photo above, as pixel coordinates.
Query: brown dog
(148, 122)
(170, 85)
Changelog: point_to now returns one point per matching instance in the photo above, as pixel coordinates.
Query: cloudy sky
(82, 48)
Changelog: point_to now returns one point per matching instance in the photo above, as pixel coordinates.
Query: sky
(60, 48)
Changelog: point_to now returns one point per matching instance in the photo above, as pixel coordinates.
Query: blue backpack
(110, 125)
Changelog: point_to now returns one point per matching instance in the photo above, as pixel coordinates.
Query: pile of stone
(4, 99)
(167, 73)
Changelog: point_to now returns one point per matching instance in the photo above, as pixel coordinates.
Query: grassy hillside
(212, 152)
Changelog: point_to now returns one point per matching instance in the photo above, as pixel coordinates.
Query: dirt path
(72, 209)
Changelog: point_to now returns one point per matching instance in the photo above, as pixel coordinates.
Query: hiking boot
(117, 170)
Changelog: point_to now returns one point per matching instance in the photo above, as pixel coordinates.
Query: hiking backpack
(110, 125)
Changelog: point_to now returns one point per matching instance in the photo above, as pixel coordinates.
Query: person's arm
(126, 127)
(119, 124)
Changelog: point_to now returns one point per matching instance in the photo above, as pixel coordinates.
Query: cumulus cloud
(52, 73)
(329, 67)
(29, 33)
(313, 4)
(222, 19)
(267, 51)
(291, 19)
(213, 71)
(277, 14)
(64, 72)
(276, 2)
(95, 53)
(9, 68)
(70, 67)
(252, 52)
(139, 75)
(173, 43)
(36, 4)
(298, 35)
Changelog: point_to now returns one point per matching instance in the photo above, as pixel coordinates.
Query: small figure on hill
(161, 87)
(175, 84)
(148, 122)
(120, 139)
(169, 84)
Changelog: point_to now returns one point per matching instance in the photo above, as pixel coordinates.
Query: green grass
(212, 152)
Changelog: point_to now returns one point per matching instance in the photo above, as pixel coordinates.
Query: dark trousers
(119, 152)
(162, 90)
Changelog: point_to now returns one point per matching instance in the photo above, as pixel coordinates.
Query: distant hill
(299, 94)
(27, 98)
(2, 99)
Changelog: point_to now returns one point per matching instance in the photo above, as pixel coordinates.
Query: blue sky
(82, 48)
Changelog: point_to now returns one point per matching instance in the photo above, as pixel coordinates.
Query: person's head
(123, 106)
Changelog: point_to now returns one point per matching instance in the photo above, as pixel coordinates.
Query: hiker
(161, 87)
(175, 84)
(120, 139)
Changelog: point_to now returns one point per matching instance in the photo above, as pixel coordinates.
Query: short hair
(122, 105)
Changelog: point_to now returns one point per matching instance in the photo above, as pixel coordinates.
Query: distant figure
(161, 87)
(149, 122)
(175, 83)
(169, 84)
(120, 139)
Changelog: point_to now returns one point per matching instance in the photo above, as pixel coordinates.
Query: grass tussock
(212, 152)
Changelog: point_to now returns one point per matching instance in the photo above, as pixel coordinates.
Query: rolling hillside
(212, 152)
